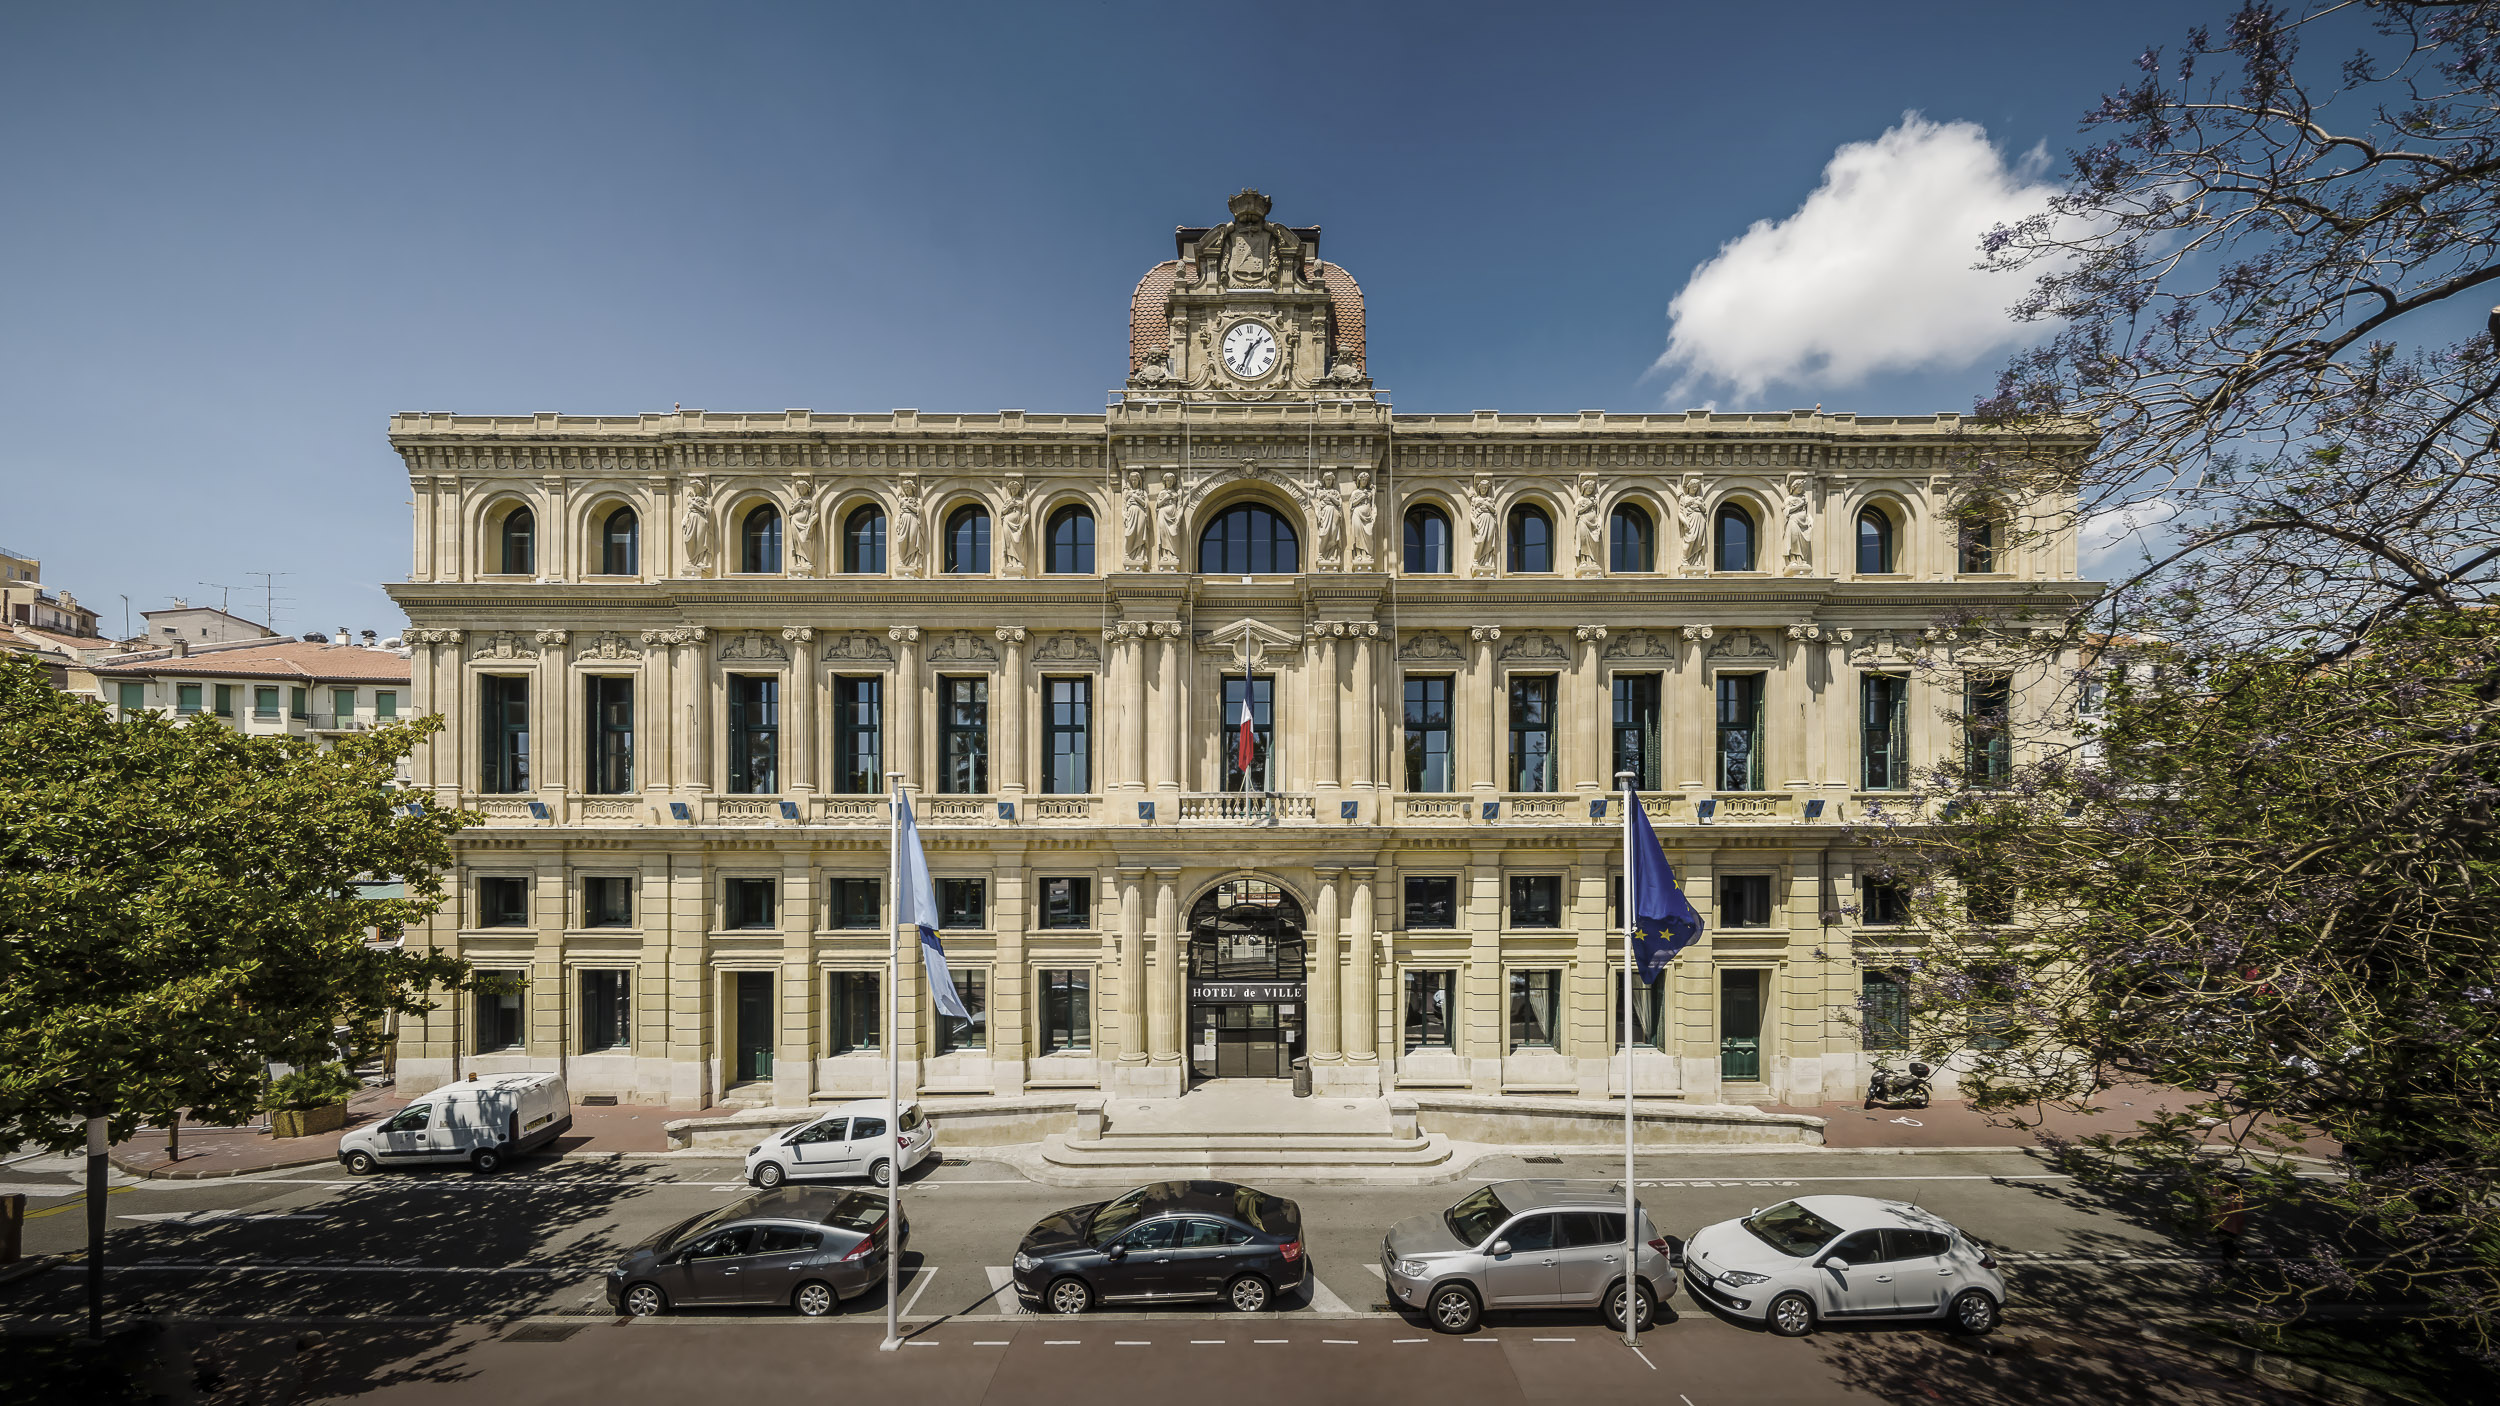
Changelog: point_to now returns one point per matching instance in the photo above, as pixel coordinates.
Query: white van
(481, 1120)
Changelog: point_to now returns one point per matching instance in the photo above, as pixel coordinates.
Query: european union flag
(1666, 919)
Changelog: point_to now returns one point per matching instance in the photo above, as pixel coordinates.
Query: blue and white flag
(1665, 917)
(917, 905)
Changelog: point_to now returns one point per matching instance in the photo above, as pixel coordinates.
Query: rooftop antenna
(269, 596)
(224, 592)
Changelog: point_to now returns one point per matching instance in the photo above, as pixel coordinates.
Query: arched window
(1735, 539)
(759, 541)
(1249, 540)
(1874, 543)
(968, 542)
(863, 542)
(620, 542)
(1979, 543)
(1071, 542)
(1630, 545)
(1427, 542)
(520, 543)
(1531, 539)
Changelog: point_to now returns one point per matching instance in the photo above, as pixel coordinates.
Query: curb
(28, 1268)
(2266, 1367)
(211, 1174)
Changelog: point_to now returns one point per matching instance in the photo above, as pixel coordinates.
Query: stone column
(1361, 728)
(1480, 773)
(1589, 766)
(1321, 1023)
(1171, 974)
(1134, 724)
(555, 533)
(1785, 713)
(554, 763)
(1171, 709)
(694, 682)
(902, 706)
(655, 761)
(1360, 998)
(798, 719)
(1009, 705)
(1324, 707)
(1133, 900)
(1694, 723)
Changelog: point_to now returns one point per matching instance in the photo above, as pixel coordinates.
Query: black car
(1170, 1241)
(807, 1247)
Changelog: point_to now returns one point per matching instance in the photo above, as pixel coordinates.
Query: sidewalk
(227, 1152)
(1952, 1123)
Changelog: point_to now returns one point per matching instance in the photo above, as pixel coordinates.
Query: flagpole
(893, 1062)
(1631, 1200)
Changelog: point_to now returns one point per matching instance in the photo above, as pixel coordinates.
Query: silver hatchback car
(1526, 1244)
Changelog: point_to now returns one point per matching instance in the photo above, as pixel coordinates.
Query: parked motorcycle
(1898, 1090)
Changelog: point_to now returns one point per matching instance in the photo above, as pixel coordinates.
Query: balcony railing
(1246, 808)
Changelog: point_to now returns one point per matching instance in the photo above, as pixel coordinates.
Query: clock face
(1249, 350)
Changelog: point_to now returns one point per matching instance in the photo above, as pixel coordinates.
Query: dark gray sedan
(807, 1247)
(1173, 1240)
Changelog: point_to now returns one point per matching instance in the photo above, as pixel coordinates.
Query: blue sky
(238, 237)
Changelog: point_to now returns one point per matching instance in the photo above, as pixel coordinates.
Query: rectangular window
(747, 903)
(1067, 724)
(754, 734)
(611, 698)
(503, 903)
(1745, 901)
(1067, 1013)
(1636, 730)
(1432, 902)
(1535, 999)
(964, 736)
(608, 902)
(134, 696)
(298, 704)
(1987, 714)
(499, 1016)
(1260, 775)
(1882, 904)
(265, 706)
(503, 734)
(1649, 1010)
(343, 707)
(855, 904)
(1532, 733)
(1428, 1009)
(1428, 733)
(186, 698)
(1884, 723)
(963, 903)
(1068, 903)
(225, 700)
(385, 705)
(857, 1013)
(607, 1010)
(859, 736)
(1884, 1010)
(1740, 732)
(1536, 900)
(972, 987)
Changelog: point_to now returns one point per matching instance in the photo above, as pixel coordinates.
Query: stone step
(1251, 1143)
(1240, 1156)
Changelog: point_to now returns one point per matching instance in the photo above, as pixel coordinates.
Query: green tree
(179, 904)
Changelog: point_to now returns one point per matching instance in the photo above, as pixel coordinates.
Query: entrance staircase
(1245, 1130)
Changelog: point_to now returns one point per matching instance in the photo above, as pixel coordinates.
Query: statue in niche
(1012, 520)
(1327, 528)
(1136, 525)
(1693, 523)
(696, 528)
(1168, 523)
(907, 529)
(1361, 516)
(1591, 541)
(1485, 528)
(1799, 531)
(802, 535)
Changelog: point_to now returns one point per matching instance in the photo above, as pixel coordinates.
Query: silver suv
(1525, 1244)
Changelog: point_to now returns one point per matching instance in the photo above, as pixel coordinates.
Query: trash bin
(1302, 1078)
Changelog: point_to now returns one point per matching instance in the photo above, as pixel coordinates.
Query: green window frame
(265, 701)
(186, 698)
(225, 700)
(385, 705)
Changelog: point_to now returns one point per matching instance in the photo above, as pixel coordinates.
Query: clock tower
(1248, 309)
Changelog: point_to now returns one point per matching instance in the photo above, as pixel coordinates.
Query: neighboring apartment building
(679, 652)
(283, 686)
(201, 624)
(24, 601)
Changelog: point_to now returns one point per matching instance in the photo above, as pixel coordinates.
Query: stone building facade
(679, 652)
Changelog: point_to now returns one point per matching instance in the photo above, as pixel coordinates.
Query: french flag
(1247, 747)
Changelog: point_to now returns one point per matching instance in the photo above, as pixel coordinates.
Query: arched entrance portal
(1246, 981)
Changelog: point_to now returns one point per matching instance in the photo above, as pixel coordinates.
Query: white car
(1843, 1257)
(848, 1141)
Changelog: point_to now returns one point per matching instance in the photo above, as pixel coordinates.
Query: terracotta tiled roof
(1149, 330)
(295, 660)
(54, 639)
(1345, 310)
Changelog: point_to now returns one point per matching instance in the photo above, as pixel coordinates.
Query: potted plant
(311, 1100)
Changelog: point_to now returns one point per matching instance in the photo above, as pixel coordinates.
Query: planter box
(304, 1122)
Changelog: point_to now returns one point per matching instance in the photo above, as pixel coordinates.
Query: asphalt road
(449, 1257)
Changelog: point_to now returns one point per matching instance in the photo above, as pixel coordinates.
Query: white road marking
(989, 1342)
(1210, 1342)
(1341, 1342)
(197, 1217)
(1063, 1342)
(310, 1267)
(37, 1188)
(1377, 1272)
(1003, 1291)
(1675, 1182)
(1129, 1342)
(1325, 1300)
(1267, 1341)
(1636, 1352)
(1553, 1340)
(1410, 1340)
(1688, 1401)
(917, 1343)
(920, 1285)
(1480, 1340)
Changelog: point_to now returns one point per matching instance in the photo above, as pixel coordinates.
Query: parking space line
(920, 1284)
(1210, 1342)
(1003, 1291)
(1264, 1342)
(1341, 1342)
(1553, 1340)
(1130, 1342)
(1410, 1340)
(989, 1342)
(1325, 1300)
(1063, 1342)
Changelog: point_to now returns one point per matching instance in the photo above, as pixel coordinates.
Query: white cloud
(2114, 543)
(1872, 273)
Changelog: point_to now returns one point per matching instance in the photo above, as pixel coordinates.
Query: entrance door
(1249, 1041)
(1740, 1026)
(755, 1025)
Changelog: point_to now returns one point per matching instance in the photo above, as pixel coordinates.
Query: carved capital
(433, 636)
(903, 634)
(798, 634)
(1484, 633)
(1010, 634)
(1590, 634)
(551, 637)
(1696, 632)
(1805, 630)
